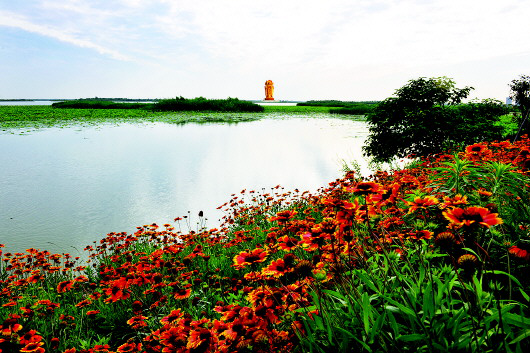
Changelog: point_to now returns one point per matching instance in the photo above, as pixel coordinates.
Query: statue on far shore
(269, 90)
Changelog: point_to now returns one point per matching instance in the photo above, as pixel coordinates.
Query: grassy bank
(433, 258)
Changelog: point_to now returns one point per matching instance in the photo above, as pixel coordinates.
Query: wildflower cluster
(253, 284)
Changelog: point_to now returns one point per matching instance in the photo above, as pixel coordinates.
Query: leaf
(522, 336)
(412, 337)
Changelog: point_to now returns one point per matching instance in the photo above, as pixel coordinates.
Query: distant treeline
(343, 107)
(99, 104)
(177, 104)
(203, 104)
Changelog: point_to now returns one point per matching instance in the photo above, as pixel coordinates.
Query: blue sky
(334, 49)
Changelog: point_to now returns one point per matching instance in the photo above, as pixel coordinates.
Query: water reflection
(65, 188)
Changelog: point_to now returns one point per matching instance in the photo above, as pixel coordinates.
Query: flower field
(431, 258)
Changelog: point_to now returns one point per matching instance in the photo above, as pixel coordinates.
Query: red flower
(287, 243)
(519, 253)
(129, 347)
(182, 293)
(277, 268)
(246, 258)
(33, 347)
(137, 322)
(283, 216)
(477, 151)
(457, 200)
(472, 216)
(422, 203)
(200, 337)
(30, 337)
(365, 188)
(64, 286)
(173, 316)
(10, 326)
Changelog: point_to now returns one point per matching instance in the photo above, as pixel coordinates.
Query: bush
(427, 117)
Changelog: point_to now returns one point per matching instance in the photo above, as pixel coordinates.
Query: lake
(64, 188)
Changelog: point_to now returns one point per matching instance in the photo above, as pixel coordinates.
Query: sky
(354, 50)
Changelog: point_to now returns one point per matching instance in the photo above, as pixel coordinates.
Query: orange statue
(269, 90)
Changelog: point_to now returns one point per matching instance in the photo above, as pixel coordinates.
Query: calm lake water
(63, 189)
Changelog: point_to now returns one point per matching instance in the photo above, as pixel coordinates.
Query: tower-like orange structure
(269, 90)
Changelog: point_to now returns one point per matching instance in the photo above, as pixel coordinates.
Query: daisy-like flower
(277, 268)
(468, 262)
(182, 293)
(422, 203)
(64, 286)
(472, 216)
(200, 337)
(365, 188)
(286, 243)
(246, 258)
(283, 216)
(173, 316)
(446, 240)
(137, 322)
(454, 201)
(477, 152)
(130, 347)
(519, 252)
(33, 347)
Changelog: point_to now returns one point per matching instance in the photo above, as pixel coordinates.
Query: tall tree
(426, 116)
(520, 94)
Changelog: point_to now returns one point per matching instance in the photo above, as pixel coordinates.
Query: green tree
(520, 94)
(426, 116)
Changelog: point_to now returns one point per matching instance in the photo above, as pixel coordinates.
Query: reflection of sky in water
(70, 187)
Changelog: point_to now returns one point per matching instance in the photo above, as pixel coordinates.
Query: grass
(432, 258)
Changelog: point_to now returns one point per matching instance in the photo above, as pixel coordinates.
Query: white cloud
(335, 44)
(13, 20)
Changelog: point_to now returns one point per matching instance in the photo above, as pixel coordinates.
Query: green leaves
(427, 117)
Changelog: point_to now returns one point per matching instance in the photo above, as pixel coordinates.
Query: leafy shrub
(426, 117)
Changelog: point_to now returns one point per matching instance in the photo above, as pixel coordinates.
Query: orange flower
(472, 216)
(182, 293)
(422, 203)
(468, 262)
(519, 253)
(129, 347)
(277, 268)
(30, 337)
(455, 201)
(173, 316)
(199, 337)
(33, 347)
(246, 258)
(477, 151)
(365, 188)
(64, 286)
(10, 325)
(136, 322)
(287, 243)
(283, 216)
